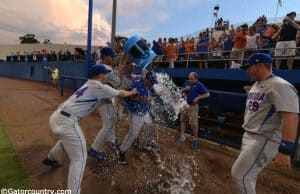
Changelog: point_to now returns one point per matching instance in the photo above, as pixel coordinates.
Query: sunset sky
(66, 20)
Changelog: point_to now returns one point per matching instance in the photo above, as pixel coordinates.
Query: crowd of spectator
(234, 45)
(231, 44)
(47, 56)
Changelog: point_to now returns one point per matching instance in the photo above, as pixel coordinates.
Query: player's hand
(134, 91)
(247, 88)
(283, 160)
(160, 93)
(187, 88)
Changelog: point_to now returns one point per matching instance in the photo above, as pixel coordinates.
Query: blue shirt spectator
(203, 40)
(181, 49)
(196, 89)
(157, 48)
(228, 44)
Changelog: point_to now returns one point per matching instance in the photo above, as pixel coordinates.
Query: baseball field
(25, 139)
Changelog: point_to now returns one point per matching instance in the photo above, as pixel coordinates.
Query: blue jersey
(203, 48)
(196, 89)
(139, 107)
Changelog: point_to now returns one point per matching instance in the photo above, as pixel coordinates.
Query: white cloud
(66, 20)
(59, 21)
(138, 30)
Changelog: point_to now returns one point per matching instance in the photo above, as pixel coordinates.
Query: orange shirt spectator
(270, 32)
(189, 46)
(240, 40)
(171, 51)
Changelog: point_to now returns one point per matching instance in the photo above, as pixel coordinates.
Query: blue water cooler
(141, 54)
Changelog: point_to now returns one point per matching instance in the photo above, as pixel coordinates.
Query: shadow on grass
(12, 175)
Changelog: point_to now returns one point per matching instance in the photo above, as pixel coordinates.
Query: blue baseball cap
(151, 76)
(257, 58)
(107, 51)
(99, 69)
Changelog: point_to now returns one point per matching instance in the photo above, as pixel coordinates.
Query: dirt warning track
(26, 106)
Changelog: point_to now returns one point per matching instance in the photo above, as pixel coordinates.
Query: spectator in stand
(45, 55)
(232, 32)
(171, 51)
(286, 44)
(228, 45)
(298, 43)
(189, 48)
(158, 50)
(203, 49)
(261, 25)
(219, 47)
(252, 42)
(181, 49)
(271, 30)
(239, 43)
(212, 47)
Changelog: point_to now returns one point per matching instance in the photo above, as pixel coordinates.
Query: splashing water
(171, 102)
(174, 178)
(182, 182)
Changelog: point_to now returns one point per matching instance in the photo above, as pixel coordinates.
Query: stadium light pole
(89, 39)
(113, 23)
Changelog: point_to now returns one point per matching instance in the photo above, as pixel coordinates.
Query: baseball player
(107, 111)
(139, 116)
(270, 123)
(194, 92)
(64, 123)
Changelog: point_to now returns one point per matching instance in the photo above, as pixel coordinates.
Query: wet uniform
(64, 123)
(138, 115)
(263, 128)
(107, 113)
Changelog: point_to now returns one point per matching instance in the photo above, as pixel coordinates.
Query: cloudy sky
(66, 20)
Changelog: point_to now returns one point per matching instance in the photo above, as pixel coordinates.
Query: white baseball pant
(256, 153)
(136, 123)
(107, 114)
(72, 141)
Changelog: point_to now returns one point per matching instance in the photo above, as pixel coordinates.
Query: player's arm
(289, 133)
(124, 93)
(247, 88)
(122, 66)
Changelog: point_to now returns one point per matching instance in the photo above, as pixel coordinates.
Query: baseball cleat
(195, 144)
(112, 145)
(180, 138)
(152, 147)
(97, 155)
(136, 144)
(121, 158)
(52, 163)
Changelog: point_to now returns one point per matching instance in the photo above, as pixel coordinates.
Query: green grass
(11, 173)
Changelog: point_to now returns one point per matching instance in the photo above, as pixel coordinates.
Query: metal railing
(74, 79)
(221, 56)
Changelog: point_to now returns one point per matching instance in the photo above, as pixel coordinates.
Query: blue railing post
(61, 85)
(89, 39)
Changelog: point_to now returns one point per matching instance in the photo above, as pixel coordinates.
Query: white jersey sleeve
(284, 97)
(87, 98)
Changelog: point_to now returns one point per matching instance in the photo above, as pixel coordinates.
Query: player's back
(87, 98)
